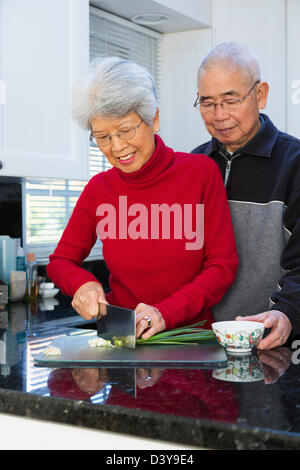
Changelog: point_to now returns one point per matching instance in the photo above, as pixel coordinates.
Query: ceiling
(185, 15)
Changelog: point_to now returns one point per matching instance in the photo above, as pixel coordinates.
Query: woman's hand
(87, 300)
(149, 321)
(90, 381)
(280, 328)
(147, 377)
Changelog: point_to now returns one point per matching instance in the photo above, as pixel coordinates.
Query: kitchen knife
(117, 322)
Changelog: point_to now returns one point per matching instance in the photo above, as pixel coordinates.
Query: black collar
(260, 145)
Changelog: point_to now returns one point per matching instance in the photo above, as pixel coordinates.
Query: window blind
(48, 203)
(111, 36)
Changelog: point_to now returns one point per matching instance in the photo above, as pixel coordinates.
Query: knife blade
(119, 322)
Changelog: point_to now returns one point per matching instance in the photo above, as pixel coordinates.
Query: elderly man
(261, 170)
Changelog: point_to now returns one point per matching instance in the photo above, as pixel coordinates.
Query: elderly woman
(161, 215)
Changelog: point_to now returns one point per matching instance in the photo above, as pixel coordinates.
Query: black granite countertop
(196, 407)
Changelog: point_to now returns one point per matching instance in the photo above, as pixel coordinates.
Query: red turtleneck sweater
(182, 283)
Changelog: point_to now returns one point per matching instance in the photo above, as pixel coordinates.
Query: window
(48, 203)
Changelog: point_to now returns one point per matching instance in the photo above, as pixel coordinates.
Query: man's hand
(275, 363)
(280, 327)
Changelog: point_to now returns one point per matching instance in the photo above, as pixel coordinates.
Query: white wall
(270, 28)
(261, 25)
(293, 67)
(181, 125)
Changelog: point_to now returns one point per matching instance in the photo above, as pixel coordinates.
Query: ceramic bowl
(244, 368)
(238, 337)
(48, 292)
(47, 285)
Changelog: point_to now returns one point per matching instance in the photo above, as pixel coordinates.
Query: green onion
(183, 335)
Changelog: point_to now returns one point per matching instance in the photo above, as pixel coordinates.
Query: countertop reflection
(253, 402)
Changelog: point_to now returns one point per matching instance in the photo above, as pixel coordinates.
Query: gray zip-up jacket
(263, 187)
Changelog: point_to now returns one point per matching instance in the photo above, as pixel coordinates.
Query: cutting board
(76, 351)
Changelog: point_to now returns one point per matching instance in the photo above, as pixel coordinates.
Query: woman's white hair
(113, 88)
(234, 56)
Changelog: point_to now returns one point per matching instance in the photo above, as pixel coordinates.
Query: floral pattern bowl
(244, 368)
(238, 337)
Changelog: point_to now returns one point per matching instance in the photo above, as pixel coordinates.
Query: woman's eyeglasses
(104, 140)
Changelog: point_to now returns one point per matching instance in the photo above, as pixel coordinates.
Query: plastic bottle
(21, 263)
(31, 274)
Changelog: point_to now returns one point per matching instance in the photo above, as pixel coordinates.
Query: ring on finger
(148, 320)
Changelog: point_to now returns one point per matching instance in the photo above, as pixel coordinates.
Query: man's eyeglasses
(104, 140)
(229, 105)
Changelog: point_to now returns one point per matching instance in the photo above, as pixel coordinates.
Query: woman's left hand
(149, 321)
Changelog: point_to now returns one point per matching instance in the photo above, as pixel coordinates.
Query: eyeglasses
(229, 105)
(104, 140)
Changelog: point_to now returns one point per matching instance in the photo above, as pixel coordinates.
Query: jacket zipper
(227, 171)
(228, 166)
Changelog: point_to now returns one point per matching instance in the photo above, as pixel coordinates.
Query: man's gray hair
(113, 88)
(234, 56)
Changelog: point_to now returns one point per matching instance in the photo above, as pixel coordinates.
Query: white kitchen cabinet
(22, 433)
(44, 45)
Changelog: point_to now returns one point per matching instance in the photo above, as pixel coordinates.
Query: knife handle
(102, 311)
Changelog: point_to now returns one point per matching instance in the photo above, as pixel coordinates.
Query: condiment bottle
(31, 274)
(21, 263)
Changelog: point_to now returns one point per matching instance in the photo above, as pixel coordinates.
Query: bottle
(17, 285)
(31, 274)
(21, 263)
